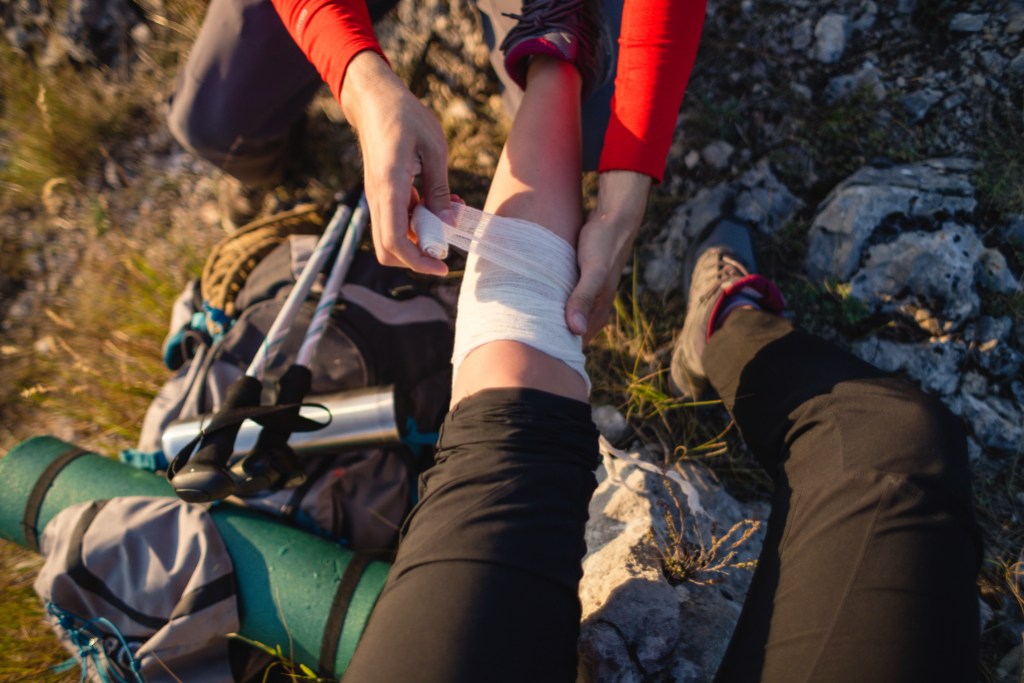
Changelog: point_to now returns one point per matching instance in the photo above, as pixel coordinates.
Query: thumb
(436, 193)
(581, 301)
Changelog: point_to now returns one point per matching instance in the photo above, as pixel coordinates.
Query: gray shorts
(246, 82)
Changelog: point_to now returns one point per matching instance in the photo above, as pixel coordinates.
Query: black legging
(867, 571)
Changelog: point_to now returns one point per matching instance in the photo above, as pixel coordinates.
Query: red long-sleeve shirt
(657, 47)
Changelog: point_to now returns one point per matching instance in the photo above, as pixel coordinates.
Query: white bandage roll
(429, 233)
(519, 276)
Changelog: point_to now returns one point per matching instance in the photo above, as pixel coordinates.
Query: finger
(436, 192)
(599, 315)
(414, 200)
(394, 236)
(371, 202)
(384, 257)
(581, 302)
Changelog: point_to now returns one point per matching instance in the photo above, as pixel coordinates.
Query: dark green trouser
(867, 574)
(868, 570)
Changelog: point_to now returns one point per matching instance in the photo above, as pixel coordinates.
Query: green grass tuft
(1000, 179)
(58, 123)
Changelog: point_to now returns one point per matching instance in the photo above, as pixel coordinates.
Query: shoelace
(554, 14)
(727, 268)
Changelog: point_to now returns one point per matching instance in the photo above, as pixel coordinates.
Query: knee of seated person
(913, 433)
(202, 135)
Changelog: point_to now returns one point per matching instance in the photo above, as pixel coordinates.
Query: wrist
(366, 74)
(622, 198)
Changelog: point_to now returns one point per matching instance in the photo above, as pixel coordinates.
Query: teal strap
(415, 438)
(150, 461)
(213, 320)
(87, 636)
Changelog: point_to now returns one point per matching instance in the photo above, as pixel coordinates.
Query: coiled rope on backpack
(234, 258)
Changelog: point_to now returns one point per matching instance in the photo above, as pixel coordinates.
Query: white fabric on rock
(519, 276)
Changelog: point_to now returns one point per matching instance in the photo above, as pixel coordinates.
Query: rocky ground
(877, 148)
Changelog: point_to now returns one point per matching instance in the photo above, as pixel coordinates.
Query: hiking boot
(568, 30)
(239, 203)
(718, 277)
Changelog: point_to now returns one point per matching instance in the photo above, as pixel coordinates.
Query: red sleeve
(330, 33)
(657, 48)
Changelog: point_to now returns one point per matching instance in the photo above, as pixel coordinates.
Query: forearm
(538, 180)
(657, 48)
(330, 33)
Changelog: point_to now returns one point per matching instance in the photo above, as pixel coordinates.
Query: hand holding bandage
(518, 278)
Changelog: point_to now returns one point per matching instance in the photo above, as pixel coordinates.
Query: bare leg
(537, 179)
(485, 584)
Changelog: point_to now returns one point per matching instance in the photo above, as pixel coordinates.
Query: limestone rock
(802, 92)
(664, 258)
(1015, 68)
(25, 24)
(636, 625)
(974, 451)
(717, 154)
(866, 79)
(93, 31)
(802, 35)
(994, 273)
(852, 212)
(1015, 18)
(763, 200)
(610, 422)
(830, 36)
(920, 102)
(965, 22)
(1000, 359)
(934, 365)
(993, 347)
(996, 422)
(989, 329)
(663, 270)
(757, 197)
(936, 270)
(867, 17)
(1017, 388)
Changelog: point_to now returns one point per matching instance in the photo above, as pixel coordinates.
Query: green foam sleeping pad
(293, 587)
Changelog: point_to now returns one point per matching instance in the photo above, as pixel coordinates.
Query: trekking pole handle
(279, 329)
(332, 290)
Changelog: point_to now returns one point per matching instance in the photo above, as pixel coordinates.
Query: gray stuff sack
(140, 589)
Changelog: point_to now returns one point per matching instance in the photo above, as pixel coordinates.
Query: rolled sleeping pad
(310, 596)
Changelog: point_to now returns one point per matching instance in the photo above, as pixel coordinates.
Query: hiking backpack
(389, 327)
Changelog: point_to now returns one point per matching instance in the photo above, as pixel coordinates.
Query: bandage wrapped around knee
(519, 276)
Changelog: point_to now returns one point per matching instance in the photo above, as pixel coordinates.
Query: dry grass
(702, 555)
(59, 123)
(102, 366)
(29, 648)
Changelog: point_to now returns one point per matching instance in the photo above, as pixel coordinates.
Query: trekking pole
(204, 477)
(332, 290)
(272, 463)
(283, 322)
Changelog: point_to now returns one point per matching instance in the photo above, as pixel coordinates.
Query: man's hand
(400, 139)
(603, 248)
